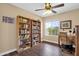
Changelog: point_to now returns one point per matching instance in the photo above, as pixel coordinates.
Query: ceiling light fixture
(47, 12)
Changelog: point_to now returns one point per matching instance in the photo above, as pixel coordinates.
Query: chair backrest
(63, 37)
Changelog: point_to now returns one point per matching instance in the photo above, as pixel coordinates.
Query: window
(52, 27)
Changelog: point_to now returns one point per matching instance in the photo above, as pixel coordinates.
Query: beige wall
(8, 39)
(71, 15)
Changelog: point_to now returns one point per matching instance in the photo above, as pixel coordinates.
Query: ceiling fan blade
(39, 9)
(54, 11)
(60, 5)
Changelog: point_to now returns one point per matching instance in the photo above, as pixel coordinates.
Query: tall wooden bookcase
(23, 32)
(36, 32)
(28, 32)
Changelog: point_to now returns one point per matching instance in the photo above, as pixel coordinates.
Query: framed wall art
(66, 24)
(7, 19)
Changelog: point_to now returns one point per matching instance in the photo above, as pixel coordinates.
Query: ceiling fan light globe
(47, 12)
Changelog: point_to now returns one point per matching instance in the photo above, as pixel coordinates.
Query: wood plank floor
(42, 49)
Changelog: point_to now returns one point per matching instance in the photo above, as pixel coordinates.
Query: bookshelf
(28, 32)
(24, 32)
(36, 32)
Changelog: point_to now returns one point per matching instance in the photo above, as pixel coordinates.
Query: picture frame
(66, 24)
(7, 19)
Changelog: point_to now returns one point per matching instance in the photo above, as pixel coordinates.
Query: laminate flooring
(41, 49)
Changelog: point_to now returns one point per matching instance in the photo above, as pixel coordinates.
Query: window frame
(46, 34)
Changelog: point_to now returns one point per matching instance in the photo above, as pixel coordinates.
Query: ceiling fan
(49, 7)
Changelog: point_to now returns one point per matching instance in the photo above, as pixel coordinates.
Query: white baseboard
(9, 51)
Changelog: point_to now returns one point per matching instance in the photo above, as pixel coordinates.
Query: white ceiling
(33, 6)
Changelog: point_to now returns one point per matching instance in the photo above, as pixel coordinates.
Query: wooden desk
(66, 39)
(75, 40)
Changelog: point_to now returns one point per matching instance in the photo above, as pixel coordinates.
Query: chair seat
(67, 47)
